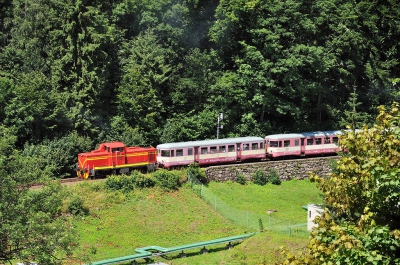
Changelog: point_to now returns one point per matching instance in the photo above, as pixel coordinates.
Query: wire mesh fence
(247, 219)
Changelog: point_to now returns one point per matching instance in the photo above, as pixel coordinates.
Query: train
(116, 158)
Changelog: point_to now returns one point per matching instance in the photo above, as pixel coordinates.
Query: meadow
(119, 222)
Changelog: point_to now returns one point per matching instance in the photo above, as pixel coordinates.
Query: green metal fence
(247, 219)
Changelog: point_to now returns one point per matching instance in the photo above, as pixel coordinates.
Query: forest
(74, 73)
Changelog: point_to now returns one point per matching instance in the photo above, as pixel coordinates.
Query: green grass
(118, 223)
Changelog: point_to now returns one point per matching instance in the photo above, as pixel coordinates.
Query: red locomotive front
(115, 158)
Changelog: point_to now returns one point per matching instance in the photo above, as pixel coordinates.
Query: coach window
(222, 149)
(172, 153)
(335, 140)
(327, 140)
(254, 146)
(261, 145)
(273, 144)
(231, 148)
(179, 152)
(280, 143)
(286, 143)
(318, 141)
(213, 149)
(165, 153)
(310, 141)
(204, 150)
(190, 151)
(296, 142)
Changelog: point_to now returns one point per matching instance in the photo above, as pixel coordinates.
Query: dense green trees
(32, 227)
(147, 72)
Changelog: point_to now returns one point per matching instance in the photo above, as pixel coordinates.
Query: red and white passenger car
(207, 152)
(302, 144)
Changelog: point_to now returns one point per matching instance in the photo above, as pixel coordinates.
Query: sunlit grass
(119, 223)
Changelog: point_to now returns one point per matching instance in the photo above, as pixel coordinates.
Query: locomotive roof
(113, 144)
(210, 142)
(304, 134)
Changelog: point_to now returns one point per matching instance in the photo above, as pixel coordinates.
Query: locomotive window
(327, 140)
(119, 149)
(273, 144)
(231, 148)
(310, 141)
(179, 152)
(286, 143)
(190, 151)
(318, 141)
(254, 146)
(165, 153)
(172, 153)
(335, 140)
(296, 142)
(213, 149)
(204, 150)
(222, 149)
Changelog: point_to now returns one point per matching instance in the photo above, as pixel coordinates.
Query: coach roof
(303, 135)
(210, 142)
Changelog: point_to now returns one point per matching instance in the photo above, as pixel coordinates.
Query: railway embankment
(286, 169)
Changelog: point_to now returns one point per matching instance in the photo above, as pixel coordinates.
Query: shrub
(166, 179)
(241, 179)
(273, 177)
(259, 177)
(141, 180)
(198, 172)
(122, 182)
(76, 206)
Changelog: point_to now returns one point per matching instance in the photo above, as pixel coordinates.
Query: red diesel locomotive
(115, 158)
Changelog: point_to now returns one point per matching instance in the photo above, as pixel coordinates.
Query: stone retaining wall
(286, 169)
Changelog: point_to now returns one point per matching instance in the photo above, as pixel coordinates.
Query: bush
(198, 172)
(76, 206)
(166, 179)
(141, 180)
(273, 177)
(241, 179)
(259, 177)
(122, 182)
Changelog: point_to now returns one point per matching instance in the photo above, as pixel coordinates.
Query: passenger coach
(302, 144)
(209, 152)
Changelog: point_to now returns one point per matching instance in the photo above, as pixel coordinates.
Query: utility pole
(220, 118)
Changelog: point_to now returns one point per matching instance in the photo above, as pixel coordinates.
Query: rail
(150, 251)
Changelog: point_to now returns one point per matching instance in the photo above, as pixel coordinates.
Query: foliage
(141, 180)
(166, 179)
(32, 225)
(76, 206)
(360, 224)
(119, 182)
(273, 177)
(259, 177)
(241, 179)
(198, 172)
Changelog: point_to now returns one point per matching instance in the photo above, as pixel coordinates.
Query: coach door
(302, 147)
(196, 154)
(238, 152)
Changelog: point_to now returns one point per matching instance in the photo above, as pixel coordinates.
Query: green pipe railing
(149, 251)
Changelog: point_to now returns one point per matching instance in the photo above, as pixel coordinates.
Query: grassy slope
(120, 223)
